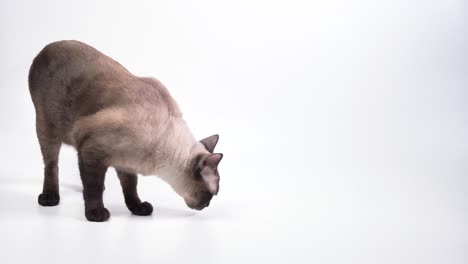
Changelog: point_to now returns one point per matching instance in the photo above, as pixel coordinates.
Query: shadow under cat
(22, 192)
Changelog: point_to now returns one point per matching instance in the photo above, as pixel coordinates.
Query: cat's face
(203, 176)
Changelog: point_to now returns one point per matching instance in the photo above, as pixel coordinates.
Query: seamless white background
(343, 123)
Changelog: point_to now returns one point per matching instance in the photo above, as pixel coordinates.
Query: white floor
(338, 218)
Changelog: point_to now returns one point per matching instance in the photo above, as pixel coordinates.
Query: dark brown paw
(48, 199)
(97, 215)
(143, 208)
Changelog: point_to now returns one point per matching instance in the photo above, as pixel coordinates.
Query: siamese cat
(115, 119)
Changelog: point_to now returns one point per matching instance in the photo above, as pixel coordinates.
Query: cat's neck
(179, 151)
(174, 149)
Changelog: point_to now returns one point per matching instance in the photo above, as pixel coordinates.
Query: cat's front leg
(92, 172)
(129, 183)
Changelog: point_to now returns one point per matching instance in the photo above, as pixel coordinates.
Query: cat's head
(202, 176)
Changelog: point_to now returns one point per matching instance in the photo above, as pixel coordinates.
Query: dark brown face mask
(206, 176)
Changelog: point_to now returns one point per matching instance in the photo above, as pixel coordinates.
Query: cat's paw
(142, 209)
(97, 214)
(48, 199)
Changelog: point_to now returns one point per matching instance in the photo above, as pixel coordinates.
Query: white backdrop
(343, 123)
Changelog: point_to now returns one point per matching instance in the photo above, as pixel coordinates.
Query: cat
(113, 118)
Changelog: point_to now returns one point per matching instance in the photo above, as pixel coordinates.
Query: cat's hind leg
(50, 148)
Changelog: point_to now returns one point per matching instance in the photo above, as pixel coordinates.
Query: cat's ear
(212, 160)
(209, 172)
(210, 142)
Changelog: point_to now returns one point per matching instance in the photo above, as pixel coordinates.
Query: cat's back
(64, 61)
(70, 81)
